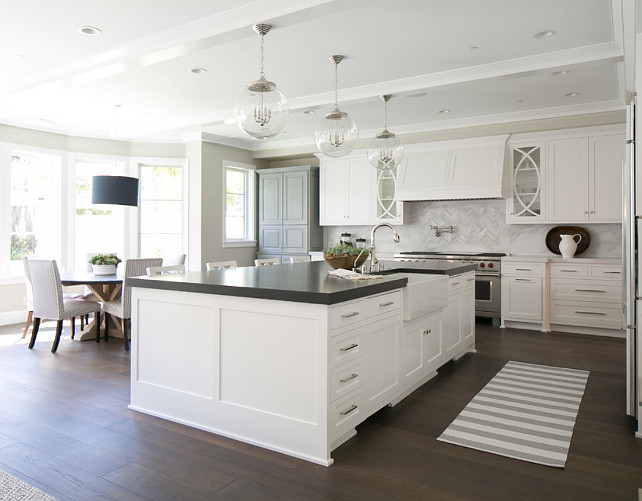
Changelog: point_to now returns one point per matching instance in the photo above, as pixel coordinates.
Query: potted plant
(105, 264)
(345, 256)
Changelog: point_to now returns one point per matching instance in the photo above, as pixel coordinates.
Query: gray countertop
(299, 282)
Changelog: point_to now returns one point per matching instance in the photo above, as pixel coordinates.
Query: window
(238, 223)
(35, 212)
(161, 210)
(97, 228)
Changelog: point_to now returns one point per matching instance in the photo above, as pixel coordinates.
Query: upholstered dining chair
(122, 308)
(299, 259)
(268, 261)
(49, 303)
(221, 265)
(173, 259)
(165, 270)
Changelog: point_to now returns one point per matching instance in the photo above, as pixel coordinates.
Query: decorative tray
(553, 238)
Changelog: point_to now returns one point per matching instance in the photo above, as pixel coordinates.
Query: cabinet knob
(427, 331)
(592, 212)
(586, 212)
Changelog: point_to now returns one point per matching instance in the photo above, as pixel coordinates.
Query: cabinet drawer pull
(569, 271)
(455, 283)
(523, 279)
(470, 280)
(523, 269)
(616, 272)
(349, 410)
(387, 304)
(588, 290)
(349, 347)
(351, 314)
(346, 379)
(591, 312)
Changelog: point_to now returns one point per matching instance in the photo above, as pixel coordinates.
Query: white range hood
(454, 170)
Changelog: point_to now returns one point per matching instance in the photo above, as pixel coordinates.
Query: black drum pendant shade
(115, 190)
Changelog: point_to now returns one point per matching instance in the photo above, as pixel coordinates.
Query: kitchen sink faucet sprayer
(374, 262)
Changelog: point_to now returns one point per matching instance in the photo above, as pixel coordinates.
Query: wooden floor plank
(64, 425)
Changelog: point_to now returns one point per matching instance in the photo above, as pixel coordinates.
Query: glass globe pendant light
(261, 109)
(336, 134)
(386, 151)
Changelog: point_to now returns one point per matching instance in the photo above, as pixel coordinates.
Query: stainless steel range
(487, 276)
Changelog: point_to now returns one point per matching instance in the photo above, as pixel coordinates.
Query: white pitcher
(568, 244)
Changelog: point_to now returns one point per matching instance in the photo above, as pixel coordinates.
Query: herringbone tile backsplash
(479, 225)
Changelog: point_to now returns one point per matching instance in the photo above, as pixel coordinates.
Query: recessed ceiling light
(310, 112)
(571, 94)
(544, 34)
(446, 110)
(89, 30)
(19, 56)
(519, 100)
(417, 94)
(560, 72)
(473, 47)
(197, 71)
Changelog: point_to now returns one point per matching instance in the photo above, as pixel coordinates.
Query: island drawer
(346, 412)
(345, 347)
(344, 379)
(347, 314)
(383, 303)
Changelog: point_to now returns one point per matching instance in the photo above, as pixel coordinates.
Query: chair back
(135, 268)
(299, 259)
(28, 284)
(173, 259)
(220, 265)
(46, 288)
(165, 270)
(268, 261)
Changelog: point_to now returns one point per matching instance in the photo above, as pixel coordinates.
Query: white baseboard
(13, 317)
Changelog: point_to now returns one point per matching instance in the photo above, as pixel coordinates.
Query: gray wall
(479, 225)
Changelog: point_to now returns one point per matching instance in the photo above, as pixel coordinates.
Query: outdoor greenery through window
(35, 206)
(161, 211)
(239, 203)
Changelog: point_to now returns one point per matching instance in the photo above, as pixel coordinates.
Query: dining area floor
(66, 429)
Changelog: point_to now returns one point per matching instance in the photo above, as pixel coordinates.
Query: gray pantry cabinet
(289, 212)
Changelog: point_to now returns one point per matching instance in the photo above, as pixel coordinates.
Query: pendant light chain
(261, 74)
(336, 85)
(385, 114)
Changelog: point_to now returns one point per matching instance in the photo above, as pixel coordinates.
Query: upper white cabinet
(352, 192)
(447, 170)
(567, 176)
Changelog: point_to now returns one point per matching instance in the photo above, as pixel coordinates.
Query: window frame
(140, 162)
(249, 209)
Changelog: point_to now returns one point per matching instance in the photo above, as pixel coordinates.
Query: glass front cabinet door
(388, 210)
(526, 203)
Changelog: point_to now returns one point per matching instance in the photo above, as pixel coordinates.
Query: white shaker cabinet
(421, 348)
(346, 194)
(567, 180)
(522, 292)
(458, 325)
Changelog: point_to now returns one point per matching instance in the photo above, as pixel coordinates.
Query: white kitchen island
(282, 357)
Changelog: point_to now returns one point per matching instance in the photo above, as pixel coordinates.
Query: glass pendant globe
(336, 134)
(386, 151)
(261, 113)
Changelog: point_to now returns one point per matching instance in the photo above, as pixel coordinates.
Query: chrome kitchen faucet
(374, 262)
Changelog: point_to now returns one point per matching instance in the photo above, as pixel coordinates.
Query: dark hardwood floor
(65, 428)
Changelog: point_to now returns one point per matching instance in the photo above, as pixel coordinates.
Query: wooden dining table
(105, 288)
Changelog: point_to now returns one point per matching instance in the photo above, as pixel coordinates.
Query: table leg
(103, 294)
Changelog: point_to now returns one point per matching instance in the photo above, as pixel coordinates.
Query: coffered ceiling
(476, 58)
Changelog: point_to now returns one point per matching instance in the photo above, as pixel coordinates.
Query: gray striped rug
(525, 412)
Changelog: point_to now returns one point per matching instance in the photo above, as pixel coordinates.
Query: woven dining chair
(122, 308)
(49, 303)
(268, 261)
(165, 270)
